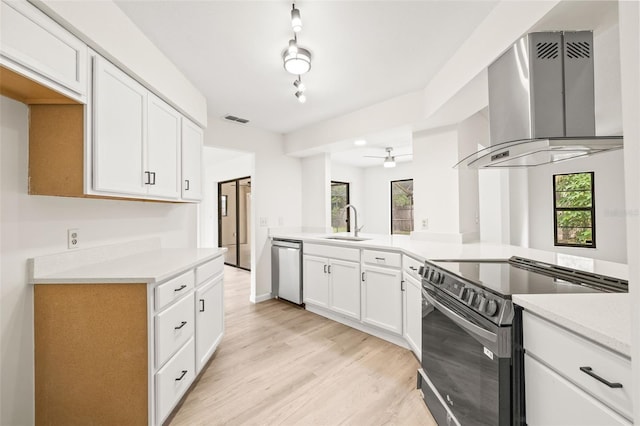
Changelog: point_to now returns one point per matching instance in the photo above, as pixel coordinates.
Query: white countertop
(429, 250)
(603, 318)
(149, 266)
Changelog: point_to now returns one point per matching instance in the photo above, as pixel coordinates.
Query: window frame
(348, 218)
(591, 209)
(391, 205)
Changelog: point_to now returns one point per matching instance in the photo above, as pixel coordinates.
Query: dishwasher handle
(286, 243)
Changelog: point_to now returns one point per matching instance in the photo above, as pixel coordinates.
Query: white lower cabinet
(332, 284)
(570, 380)
(382, 298)
(209, 319)
(174, 379)
(551, 400)
(412, 313)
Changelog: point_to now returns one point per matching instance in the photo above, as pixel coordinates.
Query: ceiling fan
(389, 160)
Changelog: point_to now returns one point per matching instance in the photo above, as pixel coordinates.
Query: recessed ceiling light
(360, 142)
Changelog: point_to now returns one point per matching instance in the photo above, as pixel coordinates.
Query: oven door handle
(458, 320)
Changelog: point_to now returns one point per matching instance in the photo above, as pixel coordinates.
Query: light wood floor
(279, 364)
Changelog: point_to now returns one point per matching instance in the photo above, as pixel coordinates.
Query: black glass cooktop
(506, 278)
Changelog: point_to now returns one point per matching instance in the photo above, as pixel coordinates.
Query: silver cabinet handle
(201, 305)
(182, 287)
(402, 285)
(413, 268)
(153, 175)
(182, 324)
(380, 258)
(589, 371)
(184, 372)
(186, 183)
(363, 277)
(148, 176)
(325, 269)
(329, 269)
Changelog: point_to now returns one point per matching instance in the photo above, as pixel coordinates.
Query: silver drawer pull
(183, 286)
(182, 324)
(184, 372)
(413, 268)
(380, 258)
(589, 371)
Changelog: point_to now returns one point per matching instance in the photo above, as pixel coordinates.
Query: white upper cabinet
(192, 139)
(33, 45)
(163, 149)
(119, 121)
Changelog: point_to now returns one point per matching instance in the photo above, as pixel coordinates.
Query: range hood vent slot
(542, 103)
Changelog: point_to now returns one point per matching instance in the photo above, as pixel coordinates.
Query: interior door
(234, 221)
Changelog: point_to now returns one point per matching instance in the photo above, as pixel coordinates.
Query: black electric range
(471, 337)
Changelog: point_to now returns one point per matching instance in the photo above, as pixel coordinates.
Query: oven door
(466, 360)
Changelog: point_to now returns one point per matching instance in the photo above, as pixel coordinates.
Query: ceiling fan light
(301, 97)
(298, 63)
(360, 142)
(296, 21)
(389, 162)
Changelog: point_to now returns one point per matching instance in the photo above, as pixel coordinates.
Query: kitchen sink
(346, 238)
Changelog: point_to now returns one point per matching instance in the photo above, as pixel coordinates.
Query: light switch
(264, 221)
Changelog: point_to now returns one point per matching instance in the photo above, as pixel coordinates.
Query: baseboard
(365, 328)
(261, 298)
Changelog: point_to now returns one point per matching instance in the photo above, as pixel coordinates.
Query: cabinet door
(163, 149)
(209, 320)
(33, 44)
(119, 125)
(192, 138)
(344, 287)
(315, 281)
(412, 313)
(382, 298)
(551, 400)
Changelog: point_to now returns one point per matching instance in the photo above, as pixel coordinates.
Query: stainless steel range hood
(541, 103)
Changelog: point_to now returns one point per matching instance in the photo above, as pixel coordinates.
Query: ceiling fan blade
(373, 156)
(403, 155)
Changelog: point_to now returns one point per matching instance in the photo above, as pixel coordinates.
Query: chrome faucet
(355, 214)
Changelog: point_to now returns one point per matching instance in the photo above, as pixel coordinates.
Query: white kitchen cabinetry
(33, 45)
(163, 149)
(136, 137)
(149, 339)
(570, 380)
(412, 314)
(119, 131)
(209, 310)
(331, 279)
(192, 140)
(382, 290)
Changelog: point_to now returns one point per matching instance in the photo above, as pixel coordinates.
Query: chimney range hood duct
(541, 103)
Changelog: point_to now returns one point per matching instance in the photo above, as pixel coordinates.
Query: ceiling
(363, 52)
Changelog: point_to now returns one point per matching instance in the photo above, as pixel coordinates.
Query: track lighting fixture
(297, 59)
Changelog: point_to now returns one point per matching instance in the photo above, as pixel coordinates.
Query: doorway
(234, 221)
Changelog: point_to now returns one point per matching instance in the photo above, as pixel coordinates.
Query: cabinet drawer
(382, 258)
(566, 352)
(335, 252)
(411, 266)
(174, 327)
(209, 270)
(173, 380)
(174, 289)
(47, 51)
(553, 400)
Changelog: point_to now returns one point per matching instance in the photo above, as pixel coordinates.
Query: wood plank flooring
(281, 365)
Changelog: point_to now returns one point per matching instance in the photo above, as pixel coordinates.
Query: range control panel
(495, 308)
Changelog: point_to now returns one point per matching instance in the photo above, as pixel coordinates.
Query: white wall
(357, 193)
(316, 193)
(376, 211)
(37, 225)
(611, 239)
(276, 191)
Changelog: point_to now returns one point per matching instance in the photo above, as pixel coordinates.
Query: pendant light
(297, 59)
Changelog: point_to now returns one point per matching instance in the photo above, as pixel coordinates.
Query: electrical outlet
(263, 221)
(73, 238)
(425, 223)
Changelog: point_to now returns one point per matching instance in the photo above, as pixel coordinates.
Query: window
(574, 210)
(402, 206)
(339, 201)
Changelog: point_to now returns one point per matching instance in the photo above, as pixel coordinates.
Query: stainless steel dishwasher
(286, 270)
